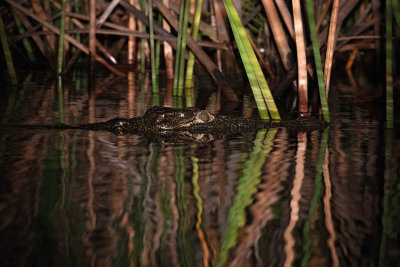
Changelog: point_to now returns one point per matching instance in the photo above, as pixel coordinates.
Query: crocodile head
(168, 119)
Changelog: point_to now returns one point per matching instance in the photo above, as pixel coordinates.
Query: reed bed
(272, 37)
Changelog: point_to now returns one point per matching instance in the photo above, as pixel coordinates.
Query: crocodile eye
(204, 116)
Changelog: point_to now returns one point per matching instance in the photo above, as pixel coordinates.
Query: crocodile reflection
(188, 124)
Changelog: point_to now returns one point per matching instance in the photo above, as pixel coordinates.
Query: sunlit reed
(265, 102)
(301, 57)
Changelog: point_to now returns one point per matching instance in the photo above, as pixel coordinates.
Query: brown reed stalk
(322, 16)
(38, 41)
(67, 36)
(131, 39)
(301, 57)
(277, 31)
(168, 54)
(376, 14)
(37, 8)
(286, 16)
(110, 8)
(99, 46)
(92, 31)
(331, 45)
(196, 49)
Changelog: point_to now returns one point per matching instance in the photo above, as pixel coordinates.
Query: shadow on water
(275, 197)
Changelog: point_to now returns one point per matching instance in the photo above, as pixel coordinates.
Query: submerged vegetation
(269, 36)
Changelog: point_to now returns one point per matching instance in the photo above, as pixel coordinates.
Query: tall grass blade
(195, 33)
(178, 46)
(259, 85)
(154, 81)
(318, 62)
(61, 38)
(389, 65)
(25, 41)
(181, 75)
(7, 53)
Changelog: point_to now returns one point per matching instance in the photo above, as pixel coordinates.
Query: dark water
(268, 198)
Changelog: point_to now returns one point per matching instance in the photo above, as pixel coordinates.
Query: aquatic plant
(263, 33)
(7, 53)
(61, 38)
(318, 62)
(181, 48)
(256, 77)
(389, 65)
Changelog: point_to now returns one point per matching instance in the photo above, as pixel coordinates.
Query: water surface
(269, 198)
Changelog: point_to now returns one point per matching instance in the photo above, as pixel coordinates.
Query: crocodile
(188, 124)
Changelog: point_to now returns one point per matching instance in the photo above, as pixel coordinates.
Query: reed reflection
(271, 198)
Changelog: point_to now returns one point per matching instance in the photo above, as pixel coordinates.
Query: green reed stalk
(178, 48)
(178, 101)
(195, 33)
(181, 75)
(189, 97)
(25, 41)
(61, 38)
(318, 62)
(389, 66)
(259, 85)
(7, 53)
(155, 99)
(154, 82)
(142, 4)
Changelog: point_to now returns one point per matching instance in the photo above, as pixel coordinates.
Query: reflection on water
(268, 198)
